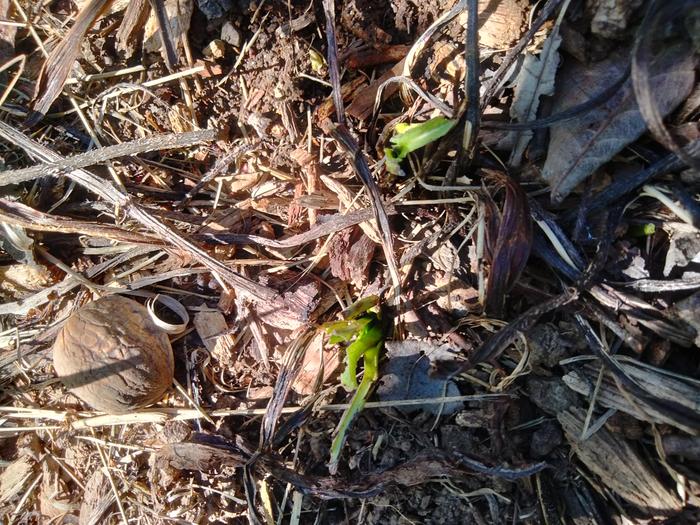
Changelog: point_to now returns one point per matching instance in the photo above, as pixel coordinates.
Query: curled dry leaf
(578, 148)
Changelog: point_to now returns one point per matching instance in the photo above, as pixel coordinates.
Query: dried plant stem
(58, 164)
(115, 196)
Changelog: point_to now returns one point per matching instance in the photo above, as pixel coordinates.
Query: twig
(97, 156)
(347, 142)
(471, 87)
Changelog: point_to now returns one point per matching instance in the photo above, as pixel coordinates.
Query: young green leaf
(411, 137)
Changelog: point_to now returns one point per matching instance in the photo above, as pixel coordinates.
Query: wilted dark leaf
(509, 240)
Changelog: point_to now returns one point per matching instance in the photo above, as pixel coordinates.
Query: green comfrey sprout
(411, 137)
(362, 328)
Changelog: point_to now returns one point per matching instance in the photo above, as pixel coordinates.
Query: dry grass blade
(59, 63)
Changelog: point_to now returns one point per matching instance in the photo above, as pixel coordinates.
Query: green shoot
(363, 330)
(411, 137)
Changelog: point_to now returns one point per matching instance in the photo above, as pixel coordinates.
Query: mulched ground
(541, 364)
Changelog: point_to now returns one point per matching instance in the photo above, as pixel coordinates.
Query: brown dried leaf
(212, 328)
(363, 100)
(59, 63)
(318, 359)
(578, 148)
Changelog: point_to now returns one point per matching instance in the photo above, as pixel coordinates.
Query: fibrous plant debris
(516, 180)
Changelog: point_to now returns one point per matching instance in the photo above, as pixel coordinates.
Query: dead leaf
(684, 246)
(407, 376)
(578, 148)
(212, 328)
(508, 242)
(318, 358)
(363, 100)
(535, 79)
(60, 61)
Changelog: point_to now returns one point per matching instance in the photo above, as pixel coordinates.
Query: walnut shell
(113, 357)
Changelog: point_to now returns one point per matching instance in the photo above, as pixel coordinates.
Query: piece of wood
(618, 465)
(363, 101)
(661, 386)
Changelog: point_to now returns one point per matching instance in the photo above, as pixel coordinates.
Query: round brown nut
(113, 357)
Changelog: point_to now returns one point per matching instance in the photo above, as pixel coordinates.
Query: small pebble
(231, 35)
